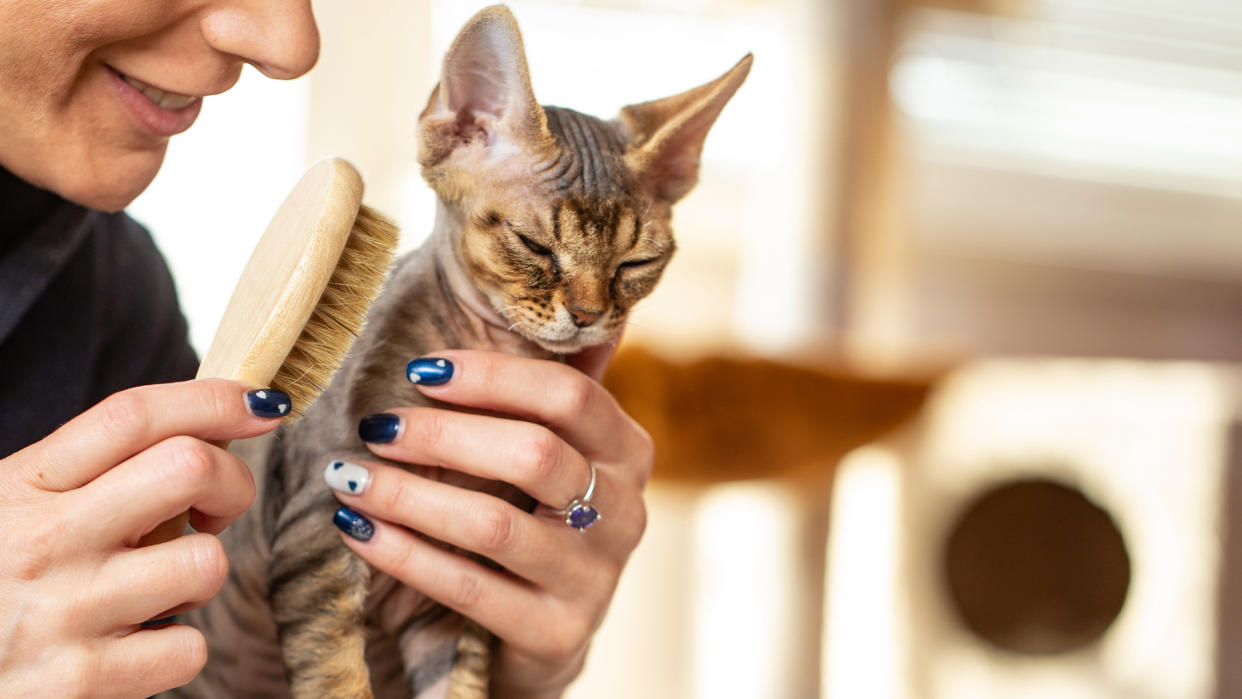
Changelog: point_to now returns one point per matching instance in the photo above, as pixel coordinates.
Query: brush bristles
(338, 316)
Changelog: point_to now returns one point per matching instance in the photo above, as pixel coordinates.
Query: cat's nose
(584, 317)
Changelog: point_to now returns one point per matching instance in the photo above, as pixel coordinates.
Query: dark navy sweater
(87, 308)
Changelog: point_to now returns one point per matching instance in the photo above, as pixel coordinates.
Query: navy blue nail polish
(380, 428)
(268, 402)
(159, 622)
(429, 371)
(353, 524)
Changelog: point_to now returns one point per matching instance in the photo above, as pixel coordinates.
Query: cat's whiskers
(517, 323)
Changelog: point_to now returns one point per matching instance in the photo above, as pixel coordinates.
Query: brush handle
(285, 276)
(279, 287)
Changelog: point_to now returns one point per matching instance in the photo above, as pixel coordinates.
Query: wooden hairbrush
(302, 297)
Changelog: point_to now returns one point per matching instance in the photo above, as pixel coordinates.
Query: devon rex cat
(551, 225)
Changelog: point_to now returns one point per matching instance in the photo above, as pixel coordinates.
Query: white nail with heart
(347, 477)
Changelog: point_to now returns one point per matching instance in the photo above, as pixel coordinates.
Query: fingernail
(347, 477)
(268, 402)
(380, 428)
(353, 524)
(159, 622)
(429, 371)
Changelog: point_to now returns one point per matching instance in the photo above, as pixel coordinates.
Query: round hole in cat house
(1034, 567)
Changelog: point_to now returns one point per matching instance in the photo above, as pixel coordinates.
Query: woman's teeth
(166, 100)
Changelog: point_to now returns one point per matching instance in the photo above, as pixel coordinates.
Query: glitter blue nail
(353, 524)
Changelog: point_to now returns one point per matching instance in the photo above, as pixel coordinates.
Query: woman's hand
(557, 581)
(74, 587)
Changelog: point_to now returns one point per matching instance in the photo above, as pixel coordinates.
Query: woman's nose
(278, 37)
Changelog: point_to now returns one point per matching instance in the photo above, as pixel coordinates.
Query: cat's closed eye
(526, 241)
(636, 264)
(534, 247)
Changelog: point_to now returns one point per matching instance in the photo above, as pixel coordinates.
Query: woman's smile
(160, 112)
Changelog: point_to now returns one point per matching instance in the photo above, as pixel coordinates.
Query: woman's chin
(112, 183)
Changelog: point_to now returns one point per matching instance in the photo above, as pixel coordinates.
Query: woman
(90, 93)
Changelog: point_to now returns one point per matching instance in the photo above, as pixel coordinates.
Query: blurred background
(944, 375)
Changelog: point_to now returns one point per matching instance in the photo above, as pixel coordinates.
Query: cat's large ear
(667, 135)
(484, 94)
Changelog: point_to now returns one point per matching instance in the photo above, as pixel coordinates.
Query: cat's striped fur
(560, 238)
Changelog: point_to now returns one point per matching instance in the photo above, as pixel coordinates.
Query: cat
(550, 226)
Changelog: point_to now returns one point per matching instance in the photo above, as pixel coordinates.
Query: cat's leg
(433, 652)
(469, 676)
(444, 656)
(318, 590)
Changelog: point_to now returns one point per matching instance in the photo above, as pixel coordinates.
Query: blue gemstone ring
(580, 514)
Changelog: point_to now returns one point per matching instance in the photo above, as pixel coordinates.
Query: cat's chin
(563, 340)
(576, 344)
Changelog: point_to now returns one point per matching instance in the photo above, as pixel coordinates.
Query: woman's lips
(160, 112)
(166, 100)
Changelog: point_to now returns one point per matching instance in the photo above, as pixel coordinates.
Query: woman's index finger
(133, 420)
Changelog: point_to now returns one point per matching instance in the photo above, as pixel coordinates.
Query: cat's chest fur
(416, 315)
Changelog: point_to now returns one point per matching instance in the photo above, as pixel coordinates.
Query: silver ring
(580, 514)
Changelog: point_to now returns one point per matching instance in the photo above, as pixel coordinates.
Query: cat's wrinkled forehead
(586, 161)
